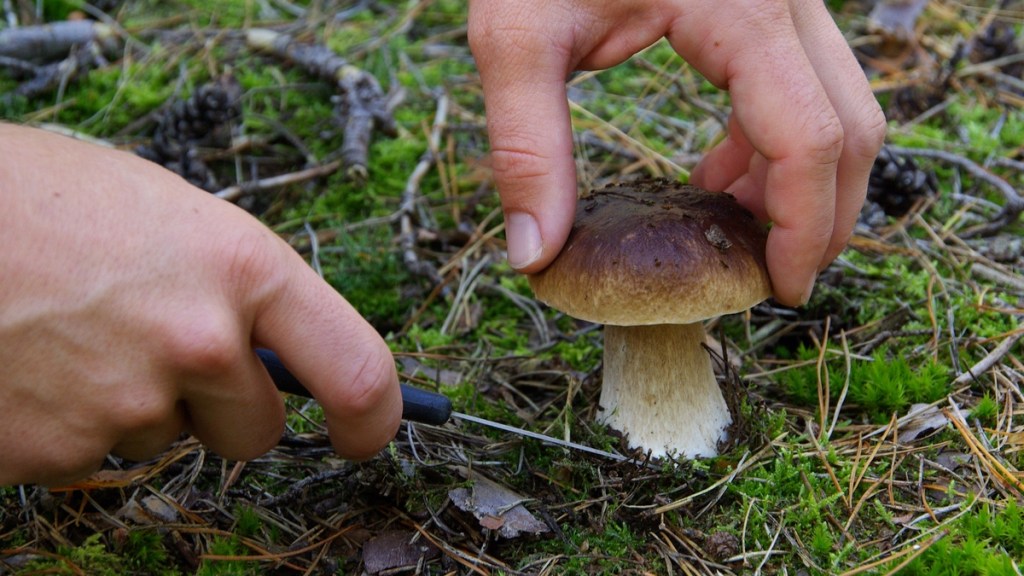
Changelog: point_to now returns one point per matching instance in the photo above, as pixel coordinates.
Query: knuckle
(821, 231)
(250, 260)
(770, 20)
(480, 34)
(826, 138)
(368, 380)
(142, 411)
(205, 344)
(867, 137)
(493, 35)
(518, 164)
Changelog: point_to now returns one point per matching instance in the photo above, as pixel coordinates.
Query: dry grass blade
(994, 464)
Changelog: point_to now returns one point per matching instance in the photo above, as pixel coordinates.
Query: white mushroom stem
(660, 389)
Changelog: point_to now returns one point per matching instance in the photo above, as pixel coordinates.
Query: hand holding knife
(417, 405)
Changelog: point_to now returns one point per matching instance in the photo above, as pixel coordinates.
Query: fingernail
(806, 296)
(523, 236)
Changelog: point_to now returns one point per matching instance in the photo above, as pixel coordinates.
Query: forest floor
(879, 428)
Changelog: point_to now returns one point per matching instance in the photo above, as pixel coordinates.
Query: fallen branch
(51, 42)
(54, 54)
(58, 74)
(361, 104)
(297, 488)
(1014, 203)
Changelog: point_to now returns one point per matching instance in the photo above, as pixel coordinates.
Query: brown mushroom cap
(657, 252)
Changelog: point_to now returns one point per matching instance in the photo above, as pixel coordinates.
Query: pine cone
(997, 40)
(188, 123)
(191, 121)
(896, 183)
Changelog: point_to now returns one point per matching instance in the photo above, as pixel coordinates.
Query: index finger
(335, 353)
(523, 73)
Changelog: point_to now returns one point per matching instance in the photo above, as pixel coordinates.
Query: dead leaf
(496, 507)
(148, 511)
(924, 419)
(953, 460)
(396, 549)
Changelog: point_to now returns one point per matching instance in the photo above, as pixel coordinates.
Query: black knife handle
(417, 405)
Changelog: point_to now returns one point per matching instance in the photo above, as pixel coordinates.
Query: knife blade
(426, 407)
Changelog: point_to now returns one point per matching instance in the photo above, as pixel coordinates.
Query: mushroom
(652, 260)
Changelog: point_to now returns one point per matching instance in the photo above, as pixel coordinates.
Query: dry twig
(407, 239)
(361, 104)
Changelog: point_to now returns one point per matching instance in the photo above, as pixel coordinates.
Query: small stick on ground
(411, 191)
(990, 360)
(232, 193)
(361, 103)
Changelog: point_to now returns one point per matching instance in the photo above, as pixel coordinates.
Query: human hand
(129, 309)
(804, 131)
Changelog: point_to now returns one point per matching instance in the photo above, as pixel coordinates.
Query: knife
(417, 405)
(423, 406)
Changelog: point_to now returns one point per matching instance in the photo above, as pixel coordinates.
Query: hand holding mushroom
(804, 131)
(652, 260)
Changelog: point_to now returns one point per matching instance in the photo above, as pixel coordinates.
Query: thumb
(523, 77)
(337, 355)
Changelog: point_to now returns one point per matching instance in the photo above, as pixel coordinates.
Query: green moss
(368, 272)
(141, 552)
(984, 542)
(609, 550)
(144, 552)
(247, 522)
(309, 420)
(823, 540)
(228, 546)
(889, 384)
(979, 125)
(344, 38)
(801, 382)
(986, 410)
(885, 385)
(223, 13)
(56, 10)
(582, 354)
(419, 337)
(108, 99)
